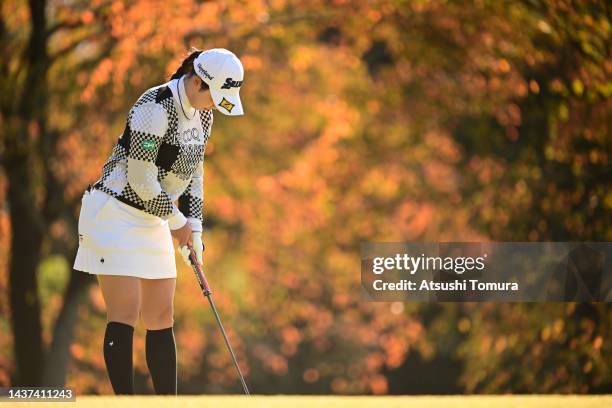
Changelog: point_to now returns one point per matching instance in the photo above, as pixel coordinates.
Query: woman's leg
(122, 298)
(158, 316)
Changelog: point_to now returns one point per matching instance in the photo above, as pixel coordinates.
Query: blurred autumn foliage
(365, 121)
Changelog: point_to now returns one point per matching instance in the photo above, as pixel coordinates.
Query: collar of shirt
(176, 86)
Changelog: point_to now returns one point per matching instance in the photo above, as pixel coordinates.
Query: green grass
(282, 401)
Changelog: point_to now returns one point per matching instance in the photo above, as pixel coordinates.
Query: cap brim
(227, 103)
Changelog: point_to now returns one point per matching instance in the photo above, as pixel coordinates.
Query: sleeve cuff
(177, 220)
(195, 224)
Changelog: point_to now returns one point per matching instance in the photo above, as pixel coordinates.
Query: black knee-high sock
(118, 356)
(161, 359)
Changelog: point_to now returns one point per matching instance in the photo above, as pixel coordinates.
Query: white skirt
(118, 239)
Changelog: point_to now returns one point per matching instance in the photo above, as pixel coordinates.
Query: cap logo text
(204, 72)
(229, 83)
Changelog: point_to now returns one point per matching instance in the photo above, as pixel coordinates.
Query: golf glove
(198, 248)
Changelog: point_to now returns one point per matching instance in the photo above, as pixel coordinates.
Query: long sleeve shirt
(159, 158)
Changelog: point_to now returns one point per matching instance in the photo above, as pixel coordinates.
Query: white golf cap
(223, 72)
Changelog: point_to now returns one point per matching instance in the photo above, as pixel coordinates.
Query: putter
(208, 293)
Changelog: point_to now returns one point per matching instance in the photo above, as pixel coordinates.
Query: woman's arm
(191, 201)
(147, 126)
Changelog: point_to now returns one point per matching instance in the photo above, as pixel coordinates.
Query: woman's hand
(183, 235)
(198, 247)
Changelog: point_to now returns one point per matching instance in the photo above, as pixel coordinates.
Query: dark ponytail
(186, 67)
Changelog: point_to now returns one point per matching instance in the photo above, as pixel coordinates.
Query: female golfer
(129, 216)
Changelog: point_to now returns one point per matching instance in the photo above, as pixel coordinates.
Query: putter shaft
(208, 293)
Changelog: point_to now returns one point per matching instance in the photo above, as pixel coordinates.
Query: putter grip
(199, 273)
